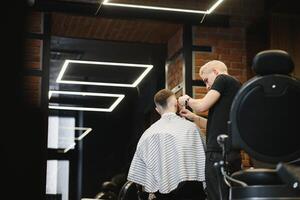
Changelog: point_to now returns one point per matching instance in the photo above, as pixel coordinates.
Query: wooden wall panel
(285, 35)
(175, 43)
(32, 90)
(33, 54)
(174, 72)
(35, 23)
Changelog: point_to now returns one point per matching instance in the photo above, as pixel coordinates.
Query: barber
(222, 89)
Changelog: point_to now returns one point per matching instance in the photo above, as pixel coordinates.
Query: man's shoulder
(227, 77)
(186, 121)
(187, 124)
(224, 81)
(150, 131)
(224, 77)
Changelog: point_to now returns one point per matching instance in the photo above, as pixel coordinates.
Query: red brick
(221, 50)
(205, 41)
(237, 65)
(200, 89)
(33, 52)
(231, 58)
(205, 56)
(32, 90)
(175, 43)
(230, 44)
(175, 72)
(34, 22)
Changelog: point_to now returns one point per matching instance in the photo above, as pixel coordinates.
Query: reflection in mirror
(59, 137)
(57, 179)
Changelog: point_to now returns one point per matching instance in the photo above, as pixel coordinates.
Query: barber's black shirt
(218, 114)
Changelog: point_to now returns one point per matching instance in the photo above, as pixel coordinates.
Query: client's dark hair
(160, 98)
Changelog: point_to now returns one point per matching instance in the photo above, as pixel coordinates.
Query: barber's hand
(187, 114)
(182, 99)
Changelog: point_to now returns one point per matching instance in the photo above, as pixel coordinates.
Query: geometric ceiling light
(109, 108)
(102, 73)
(208, 11)
(86, 131)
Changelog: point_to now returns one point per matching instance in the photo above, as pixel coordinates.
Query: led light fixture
(69, 147)
(86, 131)
(60, 78)
(111, 108)
(106, 2)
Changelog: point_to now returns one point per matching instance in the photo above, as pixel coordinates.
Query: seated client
(169, 159)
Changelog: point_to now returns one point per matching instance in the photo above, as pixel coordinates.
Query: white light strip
(111, 108)
(106, 2)
(134, 84)
(84, 134)
(214, 6)
(86, 131)
(70, 147)
(141, 77)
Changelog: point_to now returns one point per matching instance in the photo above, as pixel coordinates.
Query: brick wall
(34, 22)
(198, 93)
(175, 43)
(285, 35)
(175, 63)
(175, 72)
(32, 90)
(33, 54)
(229, 45)
(33, 60)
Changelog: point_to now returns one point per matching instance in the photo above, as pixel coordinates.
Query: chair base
(262, 192)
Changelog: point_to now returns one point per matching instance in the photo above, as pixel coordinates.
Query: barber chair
(264, 122)
(108, 191)
(129, 191)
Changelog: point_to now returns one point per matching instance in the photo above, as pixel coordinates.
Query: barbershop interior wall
(249, 32)
(109, 148)
(285, 35)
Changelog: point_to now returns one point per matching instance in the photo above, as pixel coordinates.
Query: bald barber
(222, 89)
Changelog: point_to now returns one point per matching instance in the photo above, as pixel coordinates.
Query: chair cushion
(272, 62)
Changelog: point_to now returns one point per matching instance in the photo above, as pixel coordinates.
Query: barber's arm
(198, 120)
(200, 105)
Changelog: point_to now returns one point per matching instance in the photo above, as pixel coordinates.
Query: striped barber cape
(169, 152)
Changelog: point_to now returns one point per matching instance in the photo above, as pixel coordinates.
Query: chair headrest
(272, 62)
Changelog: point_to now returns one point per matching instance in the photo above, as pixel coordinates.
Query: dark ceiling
(88, 20)
(93, 20)
(137, 30)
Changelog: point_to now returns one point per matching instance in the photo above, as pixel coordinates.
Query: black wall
(23, 132)
(109, 148)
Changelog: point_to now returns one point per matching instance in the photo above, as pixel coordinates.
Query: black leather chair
(108, 191)
(189, 190)
(129, 191)
(264, 122)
